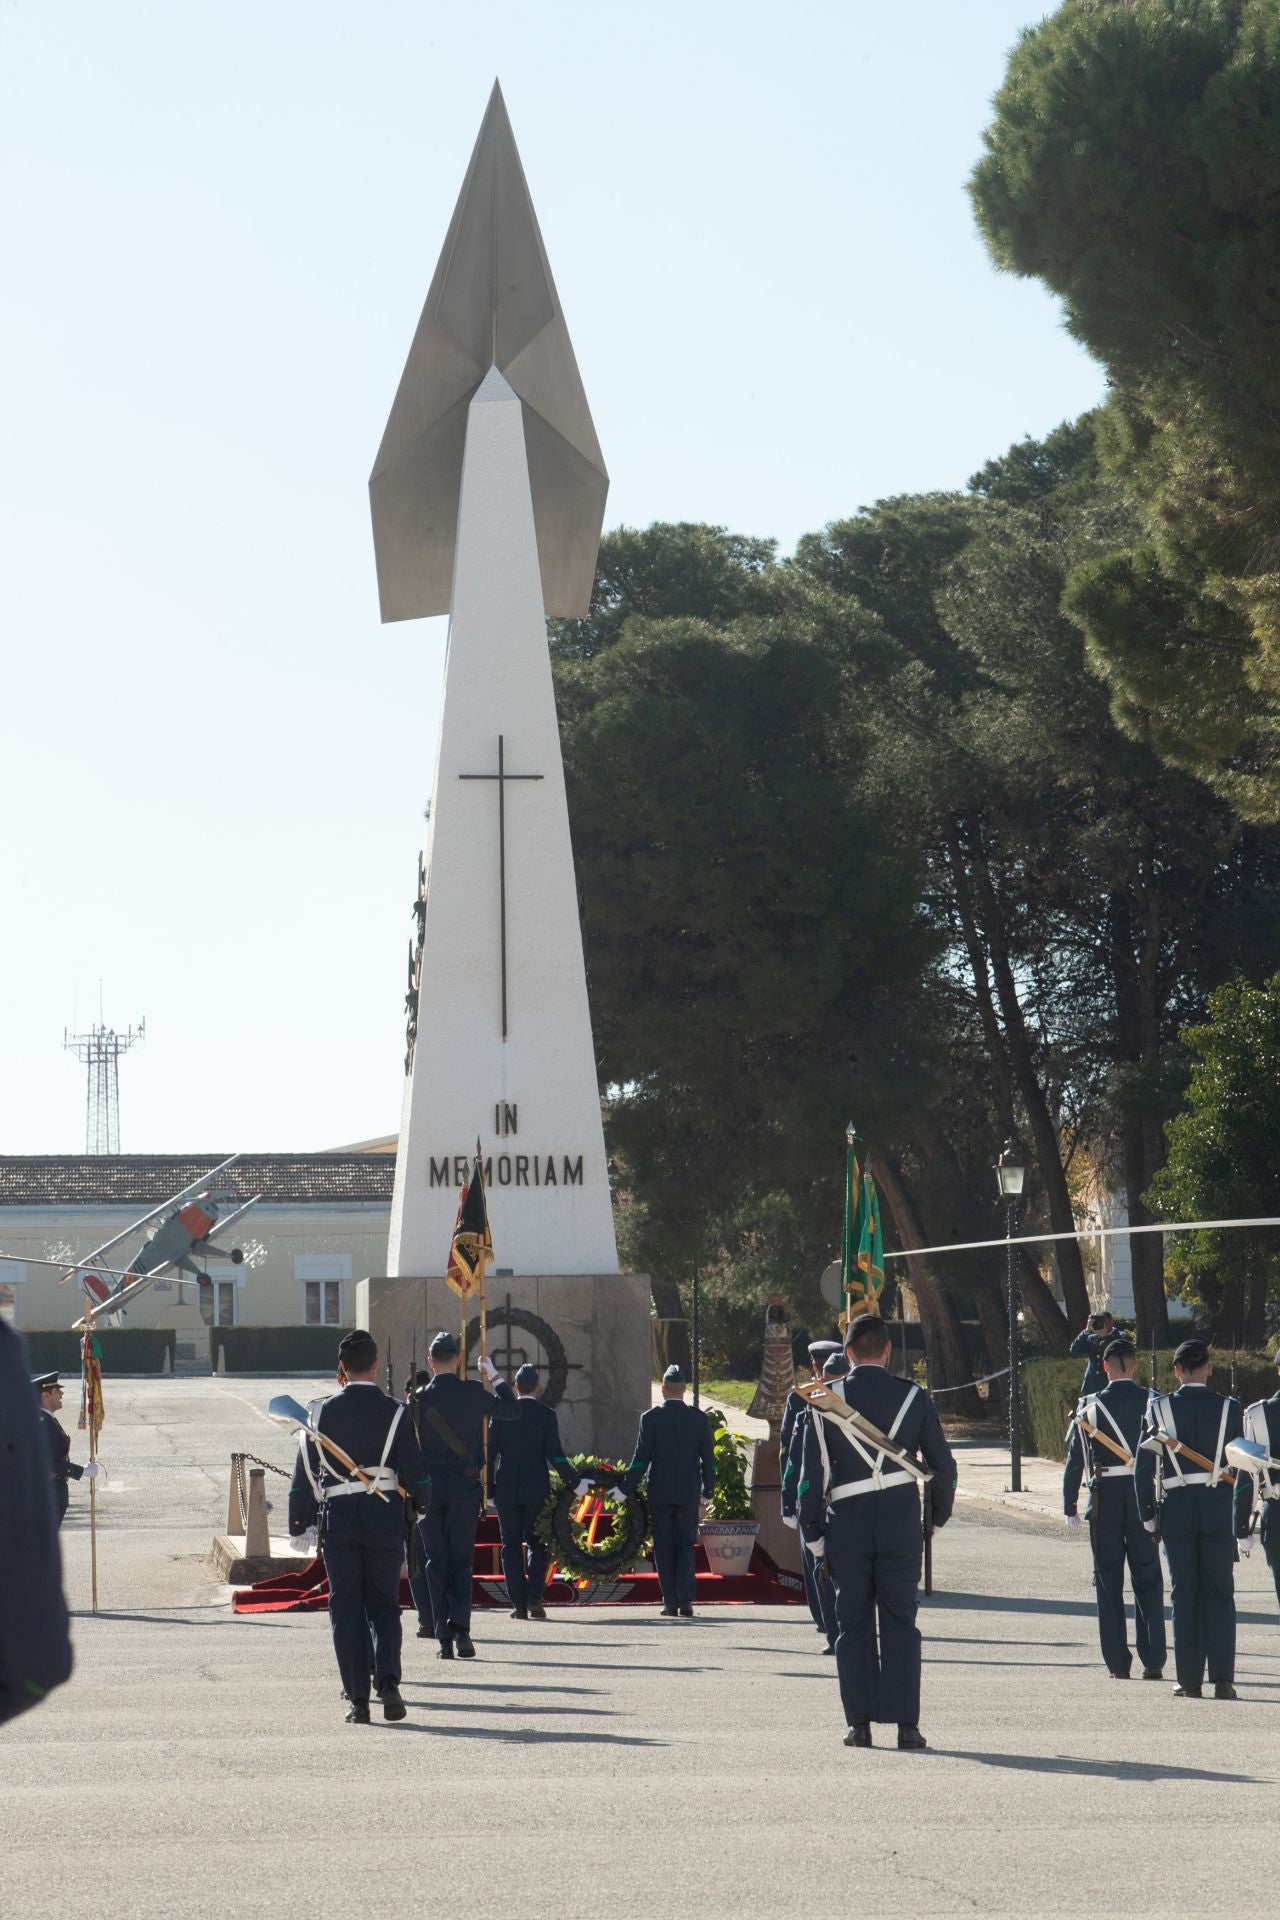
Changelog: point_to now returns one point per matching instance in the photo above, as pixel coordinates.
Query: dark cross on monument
(502, 777)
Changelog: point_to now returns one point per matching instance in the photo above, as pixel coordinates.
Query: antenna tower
(100, 1050)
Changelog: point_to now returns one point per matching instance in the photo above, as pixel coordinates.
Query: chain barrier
(937, 1392)
(237, 1467)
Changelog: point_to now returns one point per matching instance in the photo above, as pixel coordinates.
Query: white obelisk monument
(488, 496)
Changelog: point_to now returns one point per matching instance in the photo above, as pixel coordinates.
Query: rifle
(1159, 1440)
(1103, 1440)
(823, 1400)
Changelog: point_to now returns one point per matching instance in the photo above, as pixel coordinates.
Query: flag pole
(484, 1322)
(89, 1403)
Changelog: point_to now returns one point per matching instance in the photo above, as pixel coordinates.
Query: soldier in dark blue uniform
(675, 1449)
(1090, 1346)
(790, 1444)
(414, 1555)
(1261, 1425)
(362, 1536)
(1116, 1532)
(1196, 1518)
(58, 1443)
(35, 1645)
(523, 1454)
(862, 1513)
(449, 1416)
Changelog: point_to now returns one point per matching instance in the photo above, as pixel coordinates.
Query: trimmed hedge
(124, 1349)
(276, 1349)
(1051, 1387)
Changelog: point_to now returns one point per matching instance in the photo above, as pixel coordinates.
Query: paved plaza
(607, 1763)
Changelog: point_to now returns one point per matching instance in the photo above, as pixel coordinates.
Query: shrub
(124, 1349)
(276, 1349)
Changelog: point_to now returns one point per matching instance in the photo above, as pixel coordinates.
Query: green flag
(853, 1225)
(870, 1241)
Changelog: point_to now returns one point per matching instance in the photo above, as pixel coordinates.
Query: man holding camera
(1090, 1344)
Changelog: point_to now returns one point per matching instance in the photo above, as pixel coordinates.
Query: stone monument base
(588, 1335)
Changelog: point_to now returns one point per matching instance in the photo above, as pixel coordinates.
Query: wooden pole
(90, 1407)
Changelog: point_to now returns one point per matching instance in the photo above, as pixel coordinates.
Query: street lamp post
(1010, 1172)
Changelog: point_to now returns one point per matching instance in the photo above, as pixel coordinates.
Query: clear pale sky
(218, 225)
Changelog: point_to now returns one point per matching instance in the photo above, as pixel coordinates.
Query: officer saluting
(1262, 1426)
(449, 1416)
(61, 1466)
(1197, 1522)
(862, 1513)
(675, 1449)
(1116, 1532)
(362, 1536)
(523, 1454)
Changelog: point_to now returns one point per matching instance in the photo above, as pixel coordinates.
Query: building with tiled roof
(319, 1227)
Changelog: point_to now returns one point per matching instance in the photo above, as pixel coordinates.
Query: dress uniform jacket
(523, 1454)
(61, 1466)
(449, 1416)
(864, 1515)
(1196, 1523)
(1261, 1424)
(1090, 1347)
(363, 1537)
(675, 1451)
(819, 1595)
(35, 1644)
(1116, 1532)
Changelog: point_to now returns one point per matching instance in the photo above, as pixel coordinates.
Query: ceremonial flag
(851, 1238)
(472, 1242)
(870, 1239)
(91, 1410)
(862, 1243)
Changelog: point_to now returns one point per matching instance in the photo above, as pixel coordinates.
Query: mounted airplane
(187, 1223)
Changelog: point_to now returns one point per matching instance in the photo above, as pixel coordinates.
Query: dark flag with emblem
(472, 1243)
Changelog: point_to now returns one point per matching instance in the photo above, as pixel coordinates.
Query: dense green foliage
(275, 1349)
(1133, 165)
(865, 842)
(124, 1350)
(1224, 1153)
(1051, 1387)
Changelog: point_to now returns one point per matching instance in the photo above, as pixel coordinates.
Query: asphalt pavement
(608, 1763)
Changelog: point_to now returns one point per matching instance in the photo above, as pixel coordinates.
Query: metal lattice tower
(100, 1050)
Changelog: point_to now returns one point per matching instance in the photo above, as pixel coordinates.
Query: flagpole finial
(850, 1133)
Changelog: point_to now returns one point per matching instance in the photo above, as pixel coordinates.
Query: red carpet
(307, 1591)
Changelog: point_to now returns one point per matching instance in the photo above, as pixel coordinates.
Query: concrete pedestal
(780, 1542)
(588, 1334)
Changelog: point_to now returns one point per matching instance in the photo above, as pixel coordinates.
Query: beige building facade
(320, 1227)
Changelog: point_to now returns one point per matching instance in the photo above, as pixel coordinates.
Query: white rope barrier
(1081, 1233)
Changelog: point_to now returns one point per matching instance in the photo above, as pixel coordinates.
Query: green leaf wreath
(618, 1520)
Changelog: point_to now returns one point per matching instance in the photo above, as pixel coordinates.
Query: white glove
(789, 1520)
(582, 1489)
(1072, 1520)
(818, 1548)
(1246, 1548)
(297, 1543)
(92, 1469)
(1150, 1525)
(488, 1369)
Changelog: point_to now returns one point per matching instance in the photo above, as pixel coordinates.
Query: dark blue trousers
(362, 1557)
(449, 1542)
(1200, 1548)
(421, 1592)
(675, 1535)
(525, 1584)
(809, 1570)
(1269, 1534)
(874, 1543)
(1119, 1536)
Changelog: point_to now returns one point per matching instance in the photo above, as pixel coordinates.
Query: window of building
(224, 1303)
(12, 1274)
(324, 1278)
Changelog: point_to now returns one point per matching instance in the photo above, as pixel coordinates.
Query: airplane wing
(95, 1258)
(116, 1301)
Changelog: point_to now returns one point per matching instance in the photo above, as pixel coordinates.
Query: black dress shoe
(1153, 1673)
(393, 1707)
(519, 1613)
(425, 1633)
(445, 1650)
(911, 1739)
(464, 1644)
(1186, 1693)
(828, 1649)
(1121, 1676)
(686, 1613)
(537, 1613)
(1225, 1691)
(859, 1735)
(358, 1713)
(668, 1613)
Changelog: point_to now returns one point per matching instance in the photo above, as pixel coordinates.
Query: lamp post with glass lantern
(1009, 1176)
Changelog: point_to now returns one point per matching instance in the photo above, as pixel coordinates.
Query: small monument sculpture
(487, 498)
(777, 1378)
